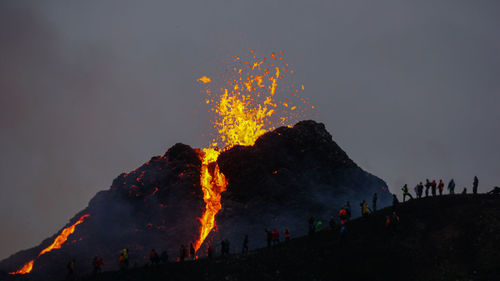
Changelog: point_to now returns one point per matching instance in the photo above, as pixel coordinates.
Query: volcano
(288, 175)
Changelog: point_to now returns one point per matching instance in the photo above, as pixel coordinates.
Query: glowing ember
(57, 244)
(245, 109)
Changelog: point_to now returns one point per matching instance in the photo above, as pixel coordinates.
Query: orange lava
(57, 244)
(245, 108)
(25, 269)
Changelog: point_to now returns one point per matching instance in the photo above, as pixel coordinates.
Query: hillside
(289, 174)
(443, 238)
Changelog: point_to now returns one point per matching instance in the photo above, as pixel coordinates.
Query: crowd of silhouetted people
(430, 188)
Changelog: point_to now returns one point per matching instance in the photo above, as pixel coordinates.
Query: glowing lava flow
(244, 109)
(213, 183)
(57, 244)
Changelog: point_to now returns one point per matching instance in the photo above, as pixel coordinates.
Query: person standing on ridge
(365, 210)
(441, 187)
(420, 190)
(244, 249)
(475, 185)
(210, 252)
(269, 237)
(433, 187)
(332, 223)
(319, 226)
(182, 253)
(405, 192)
(287, 234)
(153, 257)
(276, 237)
(97, 263)
(192, 252)
(348, 210)
(374, 202)
(451, 187)
(71, 270)
(311, 225)
(427, 186)
(164, 257)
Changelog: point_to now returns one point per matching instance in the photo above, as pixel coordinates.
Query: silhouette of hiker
(182, 253)
(286, 232)
(427, 186)
(191, 252)
(475, 185)
(153, 257)
(441, 187)
(374, 202)
(433, 186)
(406, 193)
(244, 249)
(311, 225)
(97, 263)
(269, 237)
(451, 187)
(71, 270)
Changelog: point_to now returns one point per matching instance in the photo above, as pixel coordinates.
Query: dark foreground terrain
(442, 238)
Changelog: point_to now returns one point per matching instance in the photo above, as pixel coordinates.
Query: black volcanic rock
(289, 175)
(154, 206)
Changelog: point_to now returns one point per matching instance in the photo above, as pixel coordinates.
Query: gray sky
(90, 89)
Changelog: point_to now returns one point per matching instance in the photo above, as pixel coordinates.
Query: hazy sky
(90, 89)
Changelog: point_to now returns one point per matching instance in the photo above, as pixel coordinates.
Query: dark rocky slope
(454, 238)
(288, 175)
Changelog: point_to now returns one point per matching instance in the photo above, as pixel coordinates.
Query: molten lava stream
(213, 183)
(57, 244)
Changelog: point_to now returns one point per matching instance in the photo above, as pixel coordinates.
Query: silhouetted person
(395, 202)
(96, 264)
(244, 249)
(319, 226)
(332, 223)
(164, 257)
(365, 210)
(433, 186)
(182, 253)
(311, 225)
(153, 257)
(269, 237)
(374, 202)
(348, 210)
(71, 270)
(451, 187)
(226, 244)
(464, 191)
(441, 187)
(210, 252)
(427, 186)
(192, 252)
(222, 247)
(475, 185)
(420, 190)
(276, 237)
(286, 232)
(406, 192)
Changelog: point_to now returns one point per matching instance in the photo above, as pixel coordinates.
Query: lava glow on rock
(245, 106)
(57, 244)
